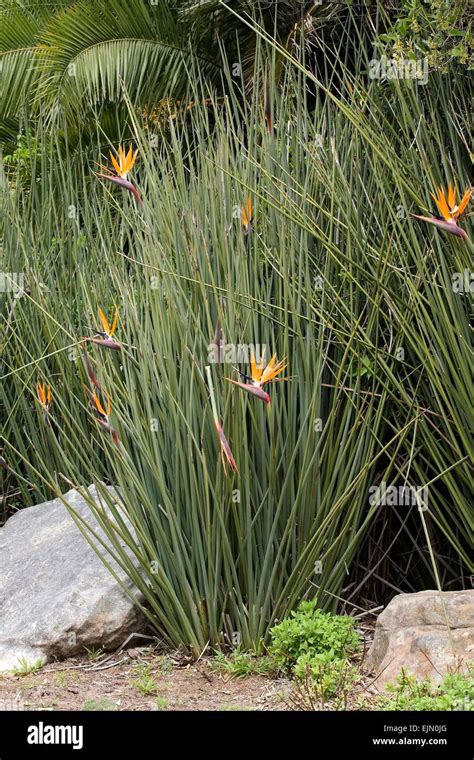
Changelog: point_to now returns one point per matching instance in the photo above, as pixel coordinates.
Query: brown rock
(414, 632)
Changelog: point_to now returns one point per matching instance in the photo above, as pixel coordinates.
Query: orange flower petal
(247, 214)
(40, 392)
(255, 371)
(105, 322)
(273, 369)
(99, 406)
(249, 208)
(451, 196)
(125, 160)
(463, 202)
(114, 323)
(115, 164)
(442, 204)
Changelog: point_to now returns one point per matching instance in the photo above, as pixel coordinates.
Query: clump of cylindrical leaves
(331, 273)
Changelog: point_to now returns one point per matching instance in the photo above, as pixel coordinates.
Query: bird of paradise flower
(260, 375)
(106, 339)
(44, 397)
(449, 210)
(247, 215)
(122, 167)
(104, 414)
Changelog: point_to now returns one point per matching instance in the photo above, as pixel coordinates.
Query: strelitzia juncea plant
(336, 285)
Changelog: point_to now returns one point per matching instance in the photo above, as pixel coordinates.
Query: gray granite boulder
(56, 595)
(411, 633)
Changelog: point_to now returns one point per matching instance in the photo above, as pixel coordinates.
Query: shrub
(455, 692)
(323, 675)
(436, 29)
(313, 637)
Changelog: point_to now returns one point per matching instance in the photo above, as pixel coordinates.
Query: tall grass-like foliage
(334, 275)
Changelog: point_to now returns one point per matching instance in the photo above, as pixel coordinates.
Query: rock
(411, 633)
(56, 595)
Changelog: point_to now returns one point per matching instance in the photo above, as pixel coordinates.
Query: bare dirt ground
(139, 679)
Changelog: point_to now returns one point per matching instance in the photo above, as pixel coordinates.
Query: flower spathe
(90, 370)
(226, 453)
